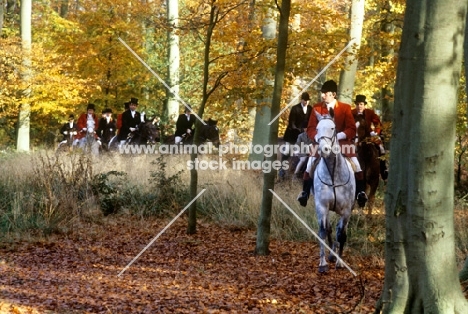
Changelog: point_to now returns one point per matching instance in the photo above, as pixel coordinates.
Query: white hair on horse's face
(326, 135)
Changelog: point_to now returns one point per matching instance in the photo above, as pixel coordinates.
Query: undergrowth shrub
(163, 194)
(108, 187)
(47, 199)
(172, 193)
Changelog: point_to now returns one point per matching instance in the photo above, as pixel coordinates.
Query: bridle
(333, 140)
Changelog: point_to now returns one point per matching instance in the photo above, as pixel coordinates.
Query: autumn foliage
(78, 57)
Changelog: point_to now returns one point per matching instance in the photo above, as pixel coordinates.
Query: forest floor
(213, 271)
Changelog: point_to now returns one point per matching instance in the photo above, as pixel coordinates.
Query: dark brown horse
(209, 132)
(368, 156)
(147, 133)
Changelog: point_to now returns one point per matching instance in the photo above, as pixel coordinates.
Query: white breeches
(353, 159)
(302, 161)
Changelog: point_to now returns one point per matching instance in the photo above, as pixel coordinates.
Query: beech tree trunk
(2, 15)
(421, 273)
(386, 96)
(64, 8)
(263, 111)
(172, 106)
(22, 143)
(348, 76)
(464, 272)
(263, 231)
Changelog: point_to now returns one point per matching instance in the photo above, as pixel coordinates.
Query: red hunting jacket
(344, 122)
(371, 118)
(81, 123)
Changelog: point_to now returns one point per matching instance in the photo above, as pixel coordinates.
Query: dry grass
(63, 198)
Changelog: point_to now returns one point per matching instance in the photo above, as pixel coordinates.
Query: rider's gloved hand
(341, 136)
(189, 131)
(132, 129)
(85, 129)
(372, 133)
(65, 132)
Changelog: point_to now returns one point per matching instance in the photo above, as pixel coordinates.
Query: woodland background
(77, 58)
(51, 204)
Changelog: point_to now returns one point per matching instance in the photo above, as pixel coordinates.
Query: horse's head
(150, 133)
(360, 128)
(210, 132)
(326, 137)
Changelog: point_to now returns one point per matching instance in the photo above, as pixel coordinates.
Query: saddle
(314, 166)
(317, 160)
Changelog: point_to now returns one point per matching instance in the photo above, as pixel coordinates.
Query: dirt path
(213, 271)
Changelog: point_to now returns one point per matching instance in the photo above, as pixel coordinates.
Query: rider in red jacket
(372, 119)
(345, 133)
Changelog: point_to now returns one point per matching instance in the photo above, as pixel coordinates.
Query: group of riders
(100, 133)
(302, 125)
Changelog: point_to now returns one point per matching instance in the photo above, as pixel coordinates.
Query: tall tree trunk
(386, 96)
(24, 112)
(420, 266)
(263, 231)
(11, 6)
(172, 105)
(263, 111)
(64, 8)
(2, 15)
(348, 76)
(465, 59)
(464, 272)
(192, 212)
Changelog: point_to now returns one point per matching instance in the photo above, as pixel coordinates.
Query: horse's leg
(341, 235)
(332, 244)
(370, 203)
(373, 181)
(324, 232)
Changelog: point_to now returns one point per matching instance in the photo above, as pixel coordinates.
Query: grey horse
(334, 189)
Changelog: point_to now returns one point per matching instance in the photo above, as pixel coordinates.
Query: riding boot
(360, 189)
(383, 170)
(307, 185)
